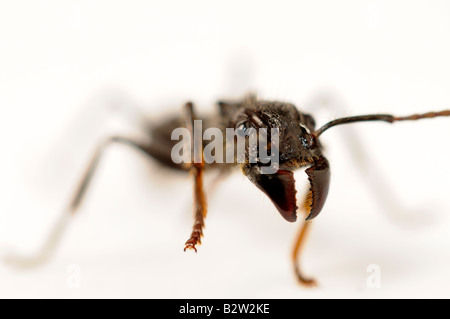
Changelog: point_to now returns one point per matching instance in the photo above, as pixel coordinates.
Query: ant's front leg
(299, 244)
(197, 166)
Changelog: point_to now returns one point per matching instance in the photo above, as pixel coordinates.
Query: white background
(74, 71)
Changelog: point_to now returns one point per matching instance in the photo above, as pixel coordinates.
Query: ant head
(295, 143)
(295, 146)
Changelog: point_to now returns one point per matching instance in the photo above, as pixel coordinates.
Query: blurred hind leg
(152, 149)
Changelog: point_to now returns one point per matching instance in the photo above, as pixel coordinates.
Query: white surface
(63, 63)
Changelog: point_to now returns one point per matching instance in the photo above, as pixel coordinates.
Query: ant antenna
(378, 117)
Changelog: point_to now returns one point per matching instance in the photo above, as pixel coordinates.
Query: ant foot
(308, 282)
(190, 244)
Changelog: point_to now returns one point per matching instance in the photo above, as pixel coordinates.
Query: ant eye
(305, 142)
(242, 129)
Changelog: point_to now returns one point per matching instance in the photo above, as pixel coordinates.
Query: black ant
(298, 147)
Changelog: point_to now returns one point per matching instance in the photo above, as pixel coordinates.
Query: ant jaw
(279, 187)
(319, 179)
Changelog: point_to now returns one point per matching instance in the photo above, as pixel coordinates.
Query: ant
(298, 147)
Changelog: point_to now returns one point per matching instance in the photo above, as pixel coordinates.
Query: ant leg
(196, 167)
(147, 148)
(56, 233)
(299, 244)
